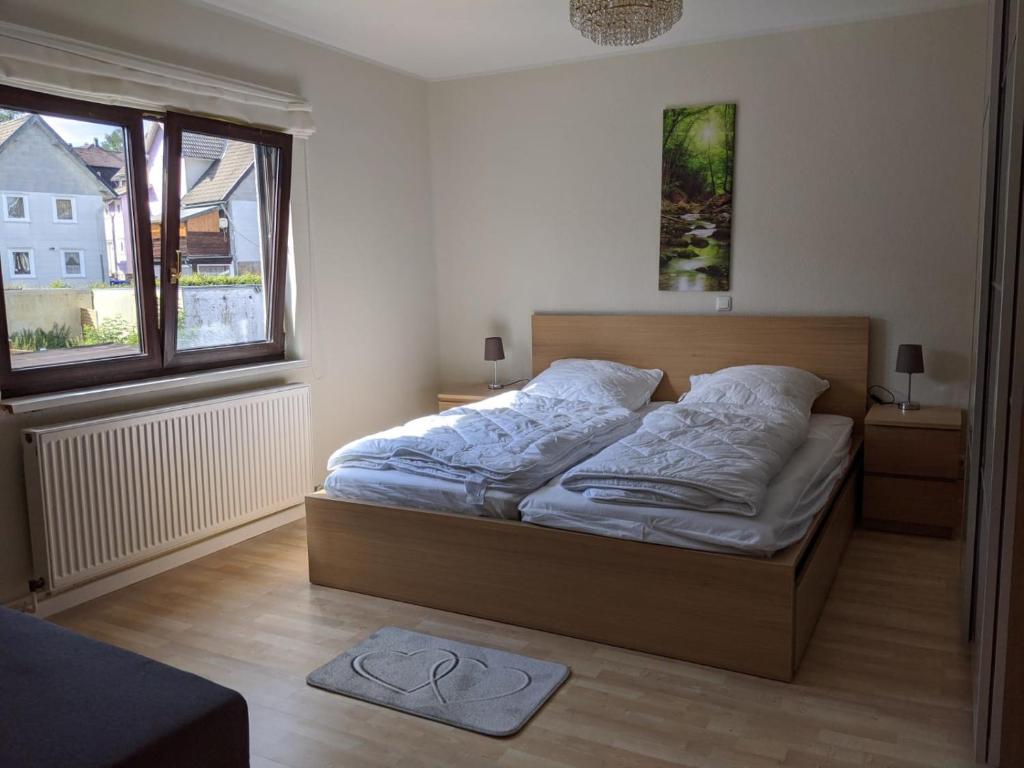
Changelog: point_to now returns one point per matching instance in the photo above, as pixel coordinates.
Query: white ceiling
(439, 39)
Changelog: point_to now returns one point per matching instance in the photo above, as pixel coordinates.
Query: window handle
(176, 268)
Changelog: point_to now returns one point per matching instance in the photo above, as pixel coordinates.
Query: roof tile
(97, 157)
(217, 183)
(202, 146)
(9, 127)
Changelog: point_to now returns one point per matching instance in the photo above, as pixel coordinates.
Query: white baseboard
(50, 605)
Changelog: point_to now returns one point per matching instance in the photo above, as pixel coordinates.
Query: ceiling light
(624, 22)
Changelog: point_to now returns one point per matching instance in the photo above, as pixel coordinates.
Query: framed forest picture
(697, 171)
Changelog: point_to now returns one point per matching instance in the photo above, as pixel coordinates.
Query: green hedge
(252, 279)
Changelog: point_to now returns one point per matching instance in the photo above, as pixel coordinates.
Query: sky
(78, 132)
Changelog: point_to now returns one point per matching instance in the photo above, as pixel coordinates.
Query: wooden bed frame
(741, 613)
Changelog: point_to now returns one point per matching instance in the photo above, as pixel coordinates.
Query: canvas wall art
(697, 173)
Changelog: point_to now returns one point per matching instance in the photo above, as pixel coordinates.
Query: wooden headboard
(835, 348)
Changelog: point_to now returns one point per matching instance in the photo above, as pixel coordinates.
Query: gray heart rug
(468, 686)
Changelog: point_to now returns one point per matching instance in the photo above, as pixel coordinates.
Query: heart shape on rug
(395, 670)
(472, 677)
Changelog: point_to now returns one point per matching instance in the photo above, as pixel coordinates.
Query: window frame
(275, 264)
(145, 364)
(157, 355)
(31, 260)
(64, 263)
(27, 219)
(74, 209)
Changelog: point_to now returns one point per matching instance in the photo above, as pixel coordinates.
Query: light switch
(723, 303)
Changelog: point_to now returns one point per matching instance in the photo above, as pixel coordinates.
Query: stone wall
(210, 315)
(28, 310)
(213, 315)
(111, 303)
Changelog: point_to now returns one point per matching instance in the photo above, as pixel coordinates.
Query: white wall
(362, 233)
(857, 177)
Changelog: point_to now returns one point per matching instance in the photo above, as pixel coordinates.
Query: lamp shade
(493, 349)
(909, 359)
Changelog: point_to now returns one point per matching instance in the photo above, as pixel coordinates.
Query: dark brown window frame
(158, 355)
(148, 363)
(275, 263)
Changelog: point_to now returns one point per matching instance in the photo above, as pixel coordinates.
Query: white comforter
(703, 456)
(514, 442)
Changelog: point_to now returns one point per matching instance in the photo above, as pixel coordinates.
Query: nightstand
(913, 462)
(463, 394)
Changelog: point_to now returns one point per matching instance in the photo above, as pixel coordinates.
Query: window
(22, 263)
(228, 225)
(15, 208)
(64, 210)
(195, 209)
(71, 264)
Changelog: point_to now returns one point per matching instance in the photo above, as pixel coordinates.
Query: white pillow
(778, 387)
(597, 381)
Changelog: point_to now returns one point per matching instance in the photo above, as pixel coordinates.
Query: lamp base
(495, 386)
(906, 405)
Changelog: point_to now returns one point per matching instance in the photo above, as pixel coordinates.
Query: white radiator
(109, 493)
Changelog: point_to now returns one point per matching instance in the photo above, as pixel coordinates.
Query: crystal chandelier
(624, 22)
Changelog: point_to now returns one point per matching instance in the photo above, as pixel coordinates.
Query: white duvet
(712, 457)
(794, 497)
(513, 442)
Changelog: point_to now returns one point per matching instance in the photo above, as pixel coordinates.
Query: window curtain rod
(61, 66)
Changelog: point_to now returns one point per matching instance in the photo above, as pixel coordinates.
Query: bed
(69, 700)
(749, 614)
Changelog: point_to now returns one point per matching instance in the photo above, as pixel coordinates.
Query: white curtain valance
(57, 65)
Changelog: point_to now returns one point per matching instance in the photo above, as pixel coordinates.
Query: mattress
(794, 497)
(395, 488)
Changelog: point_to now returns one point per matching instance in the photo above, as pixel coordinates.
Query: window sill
(32, 403)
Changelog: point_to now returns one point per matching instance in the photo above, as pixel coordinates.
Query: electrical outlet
(723, 303)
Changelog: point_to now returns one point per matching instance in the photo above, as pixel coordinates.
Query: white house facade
(244, 215)
(52, 216)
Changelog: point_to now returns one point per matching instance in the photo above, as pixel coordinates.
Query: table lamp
(909, 360)
(494, 351)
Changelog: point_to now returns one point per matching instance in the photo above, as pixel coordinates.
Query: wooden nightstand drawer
(444, 405)
(911, 505)
(913, 462)
(918, 452)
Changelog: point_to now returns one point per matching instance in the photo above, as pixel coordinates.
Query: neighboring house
(109, 168)
(118, 221)
(219, 228)
(220, 212)
(52, 223)
(102, 162)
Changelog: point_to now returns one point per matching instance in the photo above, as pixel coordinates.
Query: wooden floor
(884, 683)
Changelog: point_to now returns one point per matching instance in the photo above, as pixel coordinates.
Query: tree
(683, 167)
(6, 114)
(699, 154)
(113, 142)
